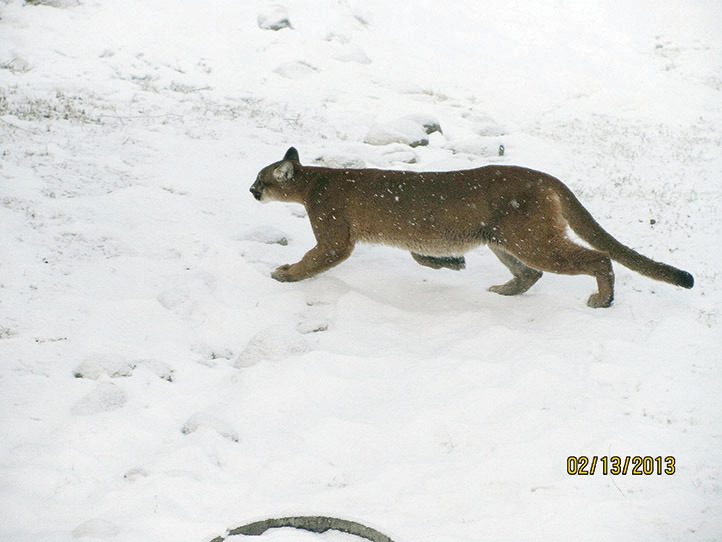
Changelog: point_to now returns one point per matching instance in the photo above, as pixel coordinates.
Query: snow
(157, 384)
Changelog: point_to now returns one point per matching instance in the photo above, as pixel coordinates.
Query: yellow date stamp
(614, 465)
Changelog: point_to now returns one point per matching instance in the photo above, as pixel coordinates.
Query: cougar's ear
(292, 154)
(284, 171)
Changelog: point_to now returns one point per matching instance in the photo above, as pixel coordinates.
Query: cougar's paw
(513, 287)
(596, 301)
(502, 289)
(282, 274)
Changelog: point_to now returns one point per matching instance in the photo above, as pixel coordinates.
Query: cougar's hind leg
(567, 258)
(524, 276)
(456, 263)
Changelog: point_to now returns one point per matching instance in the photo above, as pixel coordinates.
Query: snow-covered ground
(157, 384)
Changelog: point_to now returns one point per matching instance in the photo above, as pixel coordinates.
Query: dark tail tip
(685, 280)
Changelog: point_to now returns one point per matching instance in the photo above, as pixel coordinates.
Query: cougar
(520, 214)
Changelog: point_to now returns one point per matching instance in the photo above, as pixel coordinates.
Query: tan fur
(521, 214)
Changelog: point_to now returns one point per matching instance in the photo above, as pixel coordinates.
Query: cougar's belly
(429, 243)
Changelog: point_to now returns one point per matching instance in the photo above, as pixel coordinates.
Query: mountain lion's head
(276, 182)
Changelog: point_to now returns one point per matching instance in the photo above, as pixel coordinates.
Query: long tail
(584, 225)
(316, 524)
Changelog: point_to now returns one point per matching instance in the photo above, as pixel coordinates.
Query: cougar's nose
(256, 193)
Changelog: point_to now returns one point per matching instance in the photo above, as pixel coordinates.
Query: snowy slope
(157, 384)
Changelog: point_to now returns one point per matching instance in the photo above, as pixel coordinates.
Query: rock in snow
(404, 130)
(340, 161)
(265, 234)
(478, 146)
(429, 123)
(275, 17)
(400, 153)
(55, 3)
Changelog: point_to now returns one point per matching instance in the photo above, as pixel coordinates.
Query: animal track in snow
(184, 298)
(295, 70)
(97, 366)
(352, 53)
(105, 397)
(96, 528)
(202, 420)
(271, 344)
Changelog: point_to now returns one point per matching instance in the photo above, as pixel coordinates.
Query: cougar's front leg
(333, 245)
